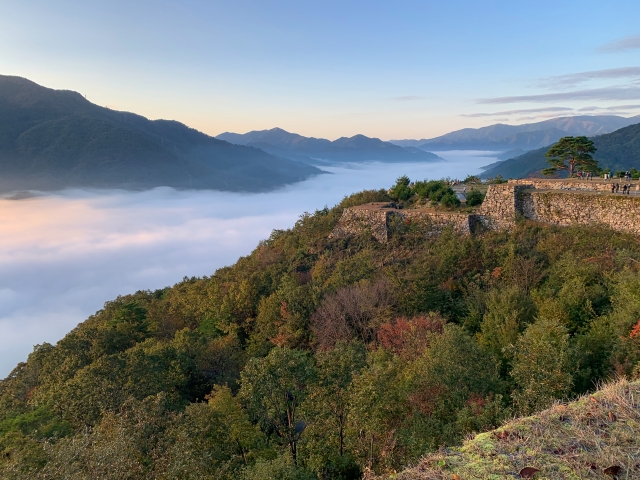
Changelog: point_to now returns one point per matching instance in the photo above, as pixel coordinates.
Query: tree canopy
(571, 153)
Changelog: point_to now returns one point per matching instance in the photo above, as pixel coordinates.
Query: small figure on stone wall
(613, 188)
(624, 189)
(617, 188)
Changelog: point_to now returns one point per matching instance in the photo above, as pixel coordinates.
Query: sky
(63, 255)
(393, 70)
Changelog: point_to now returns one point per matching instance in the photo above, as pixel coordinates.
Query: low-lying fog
(63, 255)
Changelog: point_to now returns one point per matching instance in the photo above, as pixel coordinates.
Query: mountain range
(528, 136)
(53, 139)
(320, 151)
(619, 150)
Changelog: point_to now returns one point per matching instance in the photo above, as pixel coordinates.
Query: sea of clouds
(63, 254)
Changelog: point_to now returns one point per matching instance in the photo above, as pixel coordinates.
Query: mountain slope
(366, 355)
(619, 150)
(594, 437)
(51, 139)
(358, 148)
(527, 136)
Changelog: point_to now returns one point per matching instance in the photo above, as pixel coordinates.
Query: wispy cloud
(615, 108)
(605, 93)
(581, 77)
(628, 43)
(408, 98)
(518, 112)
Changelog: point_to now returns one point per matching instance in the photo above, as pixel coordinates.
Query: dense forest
(318, 358)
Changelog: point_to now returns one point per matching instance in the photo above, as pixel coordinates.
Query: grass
(597, 436)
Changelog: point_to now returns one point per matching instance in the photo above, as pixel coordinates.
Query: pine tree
(571, 153)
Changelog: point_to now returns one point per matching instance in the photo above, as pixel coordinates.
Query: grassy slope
(581, 439)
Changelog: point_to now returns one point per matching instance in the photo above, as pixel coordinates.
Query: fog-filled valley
(65, 254)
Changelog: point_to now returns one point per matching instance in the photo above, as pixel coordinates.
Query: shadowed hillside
(619, 150)
(52, 139)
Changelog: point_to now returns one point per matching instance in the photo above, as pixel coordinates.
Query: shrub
(401, 190)
(450, 200)
(475, 198)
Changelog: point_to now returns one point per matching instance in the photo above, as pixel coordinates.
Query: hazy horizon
(408, 70)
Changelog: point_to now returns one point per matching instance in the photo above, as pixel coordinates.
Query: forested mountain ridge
(319, 358)
(358, 148)
(52, 139)
(527, 136)
(619, 150)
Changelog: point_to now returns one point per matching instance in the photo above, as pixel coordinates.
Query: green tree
(401, 190)
(508, 311)
(235, 421)
(571, 153)
(453, 372)
(379, 407)
(541, 365)
(450, 200)
(273, 388)
(328, 405)
(474, 198)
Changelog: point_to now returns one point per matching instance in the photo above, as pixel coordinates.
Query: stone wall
(619, 212)
(548, 201)
(376, 217)
(461, 222)
(355, 220)
(501, 205)
(596, 185)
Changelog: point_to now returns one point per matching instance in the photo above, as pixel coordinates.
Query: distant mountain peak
(356, 148)
(528, 136)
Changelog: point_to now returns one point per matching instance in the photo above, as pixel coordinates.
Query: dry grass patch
(597, 436)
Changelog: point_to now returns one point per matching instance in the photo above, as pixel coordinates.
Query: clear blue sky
(401, 69)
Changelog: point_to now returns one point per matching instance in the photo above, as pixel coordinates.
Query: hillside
(319, 358)
(320, 151)
(594, 437)
(619, 150)
(527, 136)
(52, 139)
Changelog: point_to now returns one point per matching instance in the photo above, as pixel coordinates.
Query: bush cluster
(438, 192)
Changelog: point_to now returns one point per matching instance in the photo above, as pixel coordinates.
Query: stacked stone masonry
(377, 218)
(556, 202)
